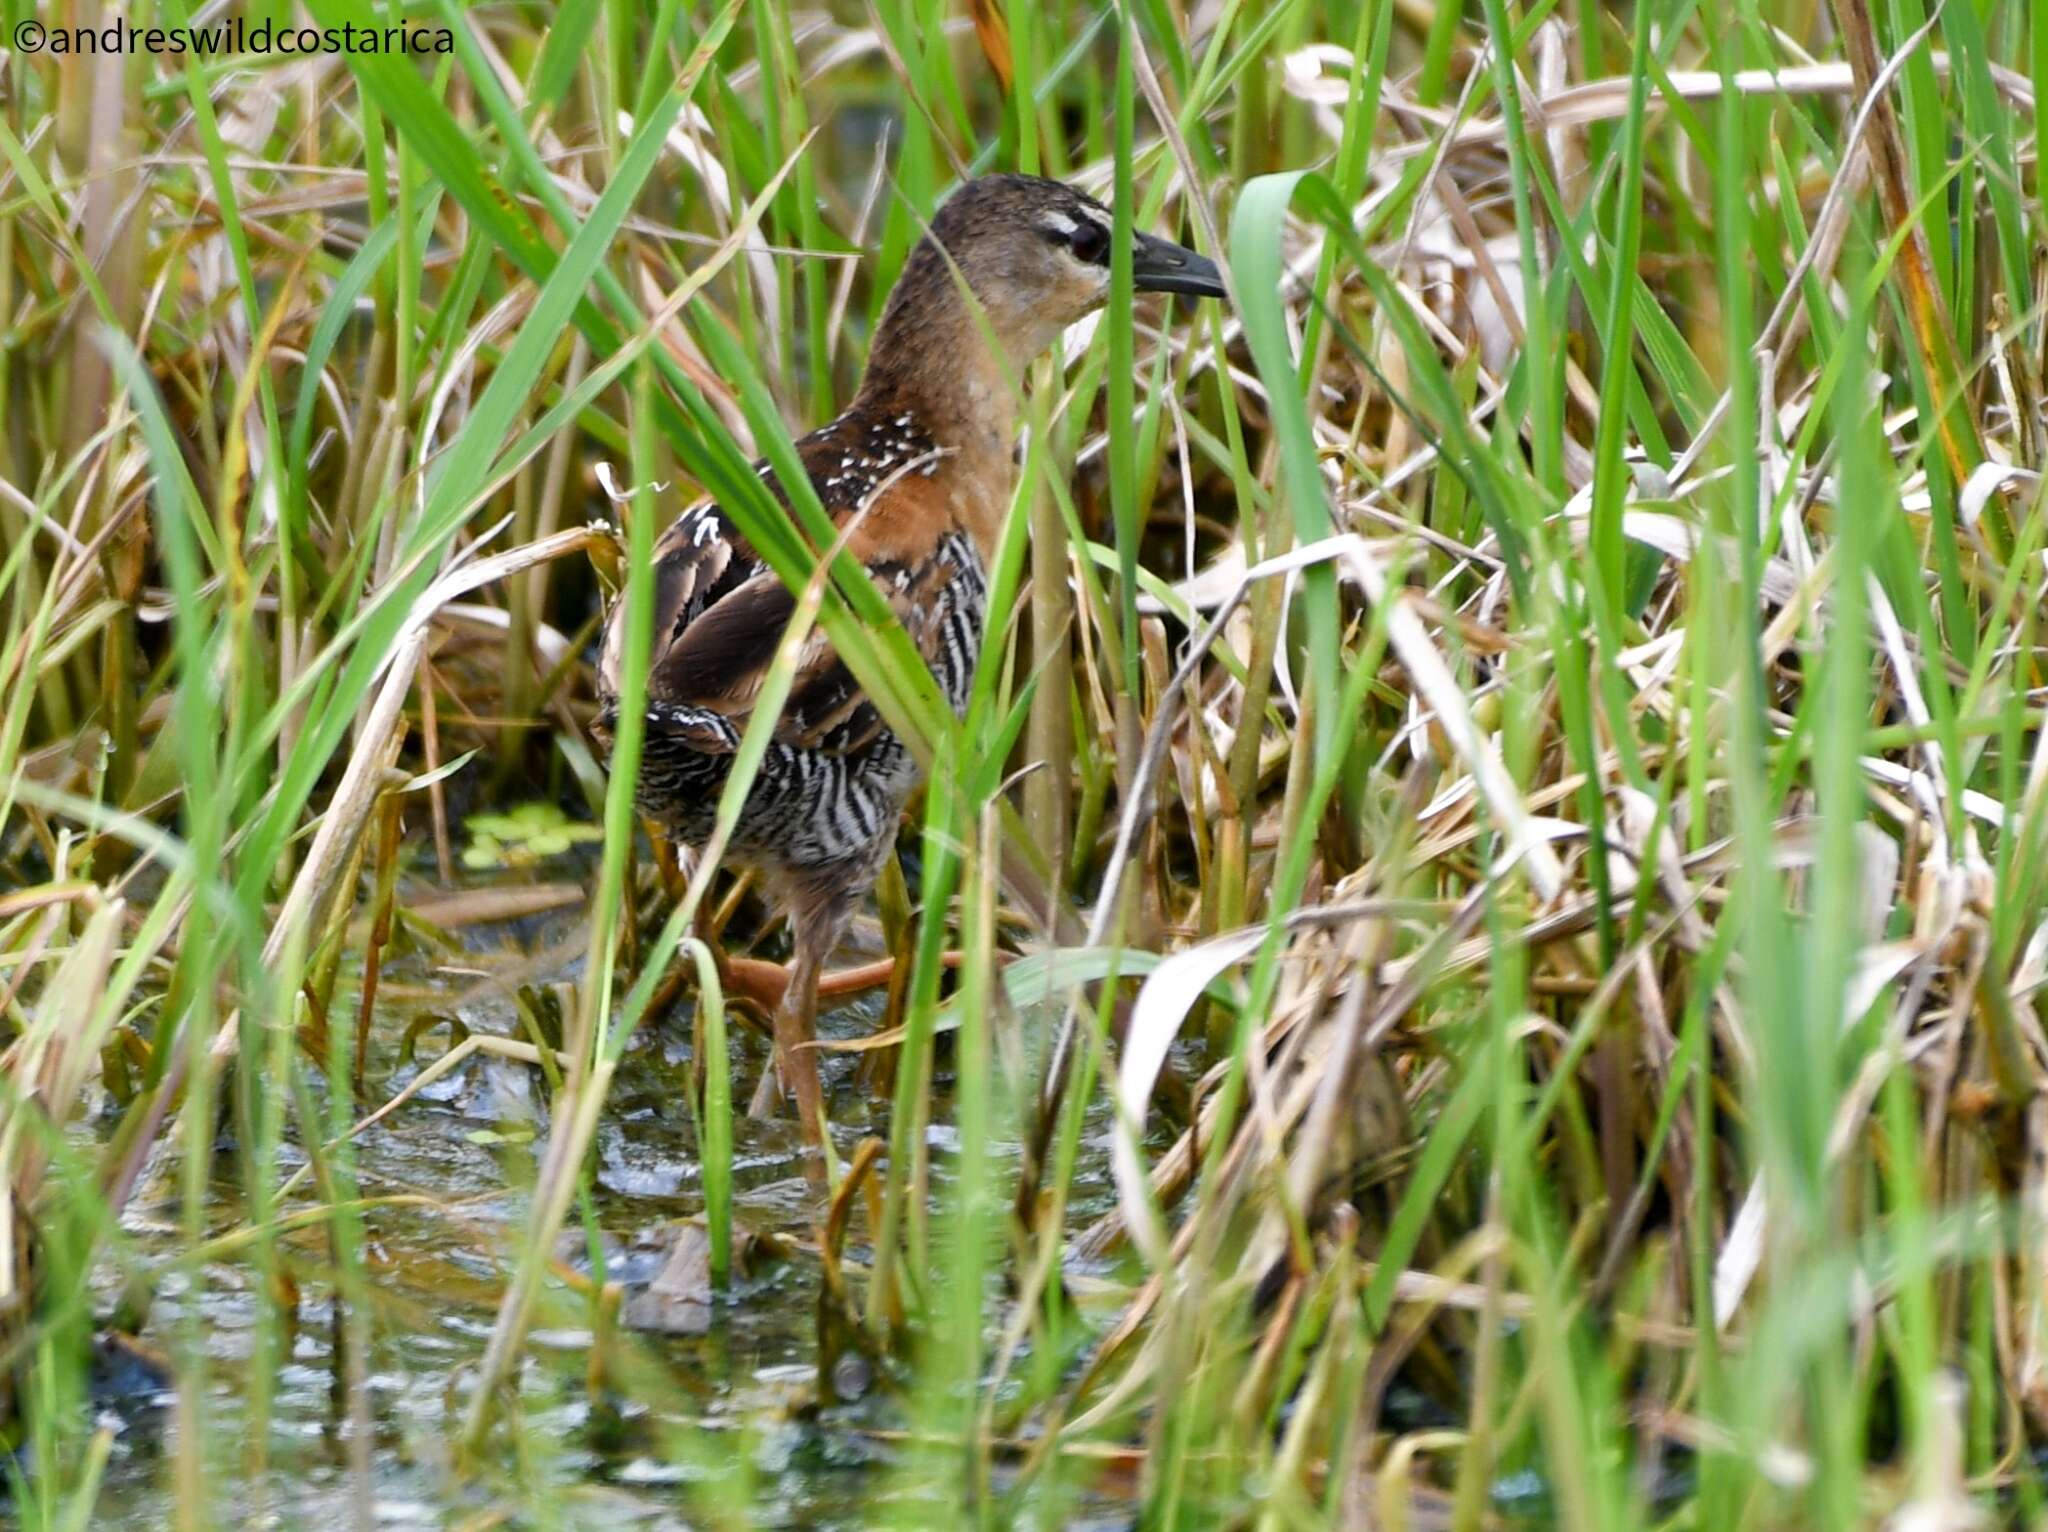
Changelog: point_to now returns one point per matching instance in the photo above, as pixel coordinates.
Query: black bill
(1161, 266)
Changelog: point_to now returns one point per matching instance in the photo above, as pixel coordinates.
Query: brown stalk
(1932, 329)
(380, 932)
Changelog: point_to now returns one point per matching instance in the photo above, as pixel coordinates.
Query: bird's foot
(766, 983)
(752, 979)
(792, 1071)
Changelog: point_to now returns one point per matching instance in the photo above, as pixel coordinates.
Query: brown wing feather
(697, 561)
(719, 660)
(720, 612)
(827, 709)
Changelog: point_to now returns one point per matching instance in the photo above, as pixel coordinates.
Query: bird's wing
(720, 612)
(700, 564)
(915, 559)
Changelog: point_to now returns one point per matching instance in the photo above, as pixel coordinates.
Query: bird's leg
(796, 1024)
(795, 1067)
(819, 914)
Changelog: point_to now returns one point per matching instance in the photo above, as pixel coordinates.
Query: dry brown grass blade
(45, 1070)
(1915, 267)
(993, 32)
(378, 740)
(1606, 100)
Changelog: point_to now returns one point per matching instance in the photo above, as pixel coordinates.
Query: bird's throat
(949, 376)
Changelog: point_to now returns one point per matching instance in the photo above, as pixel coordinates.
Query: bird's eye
(1090, 242)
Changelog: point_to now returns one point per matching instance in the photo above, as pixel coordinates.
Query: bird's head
(1035, 254)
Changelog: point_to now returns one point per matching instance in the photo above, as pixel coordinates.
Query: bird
(917, 473)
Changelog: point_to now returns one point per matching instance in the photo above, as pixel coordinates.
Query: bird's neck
(939, 366)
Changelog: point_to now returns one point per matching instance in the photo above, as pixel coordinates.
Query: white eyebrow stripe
(1058, 223)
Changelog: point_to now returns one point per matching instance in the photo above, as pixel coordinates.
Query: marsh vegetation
(1532, 715)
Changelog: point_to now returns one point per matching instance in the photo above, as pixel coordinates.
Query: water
(727, 1415)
